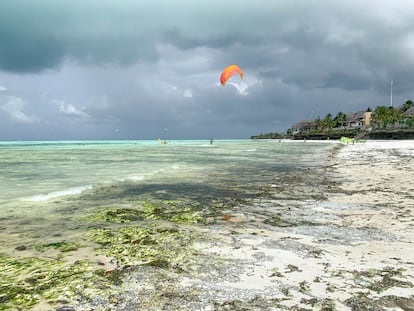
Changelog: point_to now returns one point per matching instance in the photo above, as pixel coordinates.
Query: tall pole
(391, 94)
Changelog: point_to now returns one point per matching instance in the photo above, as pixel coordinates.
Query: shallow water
(46, 187)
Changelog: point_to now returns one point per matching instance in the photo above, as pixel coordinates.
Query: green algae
(324, 304)
(304, 287)
(383, 279)
(361, 302)
(256, 303)
(168, 210)
(120, 215)
(144, 234)
(404, 303)
(328, 305)
(26, 281)
(61, 246)
(135, 245)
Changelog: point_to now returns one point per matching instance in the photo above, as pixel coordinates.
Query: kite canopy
(228, 72)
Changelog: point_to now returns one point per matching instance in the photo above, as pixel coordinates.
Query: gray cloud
(82, 69)
(13, 107)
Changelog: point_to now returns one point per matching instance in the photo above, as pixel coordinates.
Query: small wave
(56, 194)
(136, 178)
(132, 178)
(147, 175)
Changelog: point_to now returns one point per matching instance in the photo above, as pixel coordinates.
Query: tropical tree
(318, 123)
(328, 122)
(384, 116)
(380, 116)
(396, 115)
(409, 121)
(407, 105)
(339, 118)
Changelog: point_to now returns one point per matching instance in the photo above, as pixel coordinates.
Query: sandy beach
(351, 251)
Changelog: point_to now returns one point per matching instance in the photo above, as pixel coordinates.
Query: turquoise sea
(47, 186)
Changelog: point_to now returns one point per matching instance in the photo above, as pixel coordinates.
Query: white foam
(132, 178)
(137, 178)
(56, 194)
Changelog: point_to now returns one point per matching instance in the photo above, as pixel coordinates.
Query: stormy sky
(131, 69)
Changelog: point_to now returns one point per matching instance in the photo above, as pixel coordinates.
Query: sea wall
(391, 134)
(378, 134)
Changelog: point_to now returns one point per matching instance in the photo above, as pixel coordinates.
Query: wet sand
(353, 250)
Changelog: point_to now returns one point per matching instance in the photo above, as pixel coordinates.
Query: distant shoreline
(380, 134)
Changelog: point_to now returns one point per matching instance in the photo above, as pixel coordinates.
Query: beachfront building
(304, 126)
(399, 122)
(360, 119)
(408, 116)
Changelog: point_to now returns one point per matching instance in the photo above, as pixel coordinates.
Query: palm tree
(318, 123)
(384, 116)
(328, 122)
(339, 118)
(379, 116)
(396, 116)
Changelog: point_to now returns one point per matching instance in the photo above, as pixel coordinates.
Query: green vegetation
(132, 235)
(393, 117)
(24, 281)
(61, 246)
(382, 118)
(168, 210)
(135, 245)
(271, 136)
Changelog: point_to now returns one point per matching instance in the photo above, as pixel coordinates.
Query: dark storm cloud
(40, 35)
(346, 81)
(86, 68)
(21, 55)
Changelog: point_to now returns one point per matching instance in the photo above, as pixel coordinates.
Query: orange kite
(228, 72)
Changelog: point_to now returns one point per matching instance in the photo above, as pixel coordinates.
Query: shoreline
(367, 258)
(349, 250)
(332, 236)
